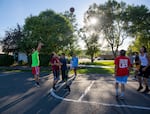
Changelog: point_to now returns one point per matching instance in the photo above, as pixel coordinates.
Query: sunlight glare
(93, 21)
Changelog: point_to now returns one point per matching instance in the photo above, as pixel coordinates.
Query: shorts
(56, 74)
(121, 79)
(36, 70)
(144, 74)
(74, 67)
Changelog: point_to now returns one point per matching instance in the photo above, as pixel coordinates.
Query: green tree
(110, 23)
(54, 30)
(11, 40)
(74, 47)
(138, 18)
(91, 41)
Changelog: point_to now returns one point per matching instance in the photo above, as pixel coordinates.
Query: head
(53, 55)
(143, 49)
(122, 52)
(33, 50)
(63, 55)
(136, 53)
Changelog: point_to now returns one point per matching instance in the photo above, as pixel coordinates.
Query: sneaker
(140, 87)
(37, 84)
(133, 78)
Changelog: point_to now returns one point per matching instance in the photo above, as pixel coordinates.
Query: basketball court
(90, 94)
(98, 91)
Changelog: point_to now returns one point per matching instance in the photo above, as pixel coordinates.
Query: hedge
(6, 60)
(44, 59)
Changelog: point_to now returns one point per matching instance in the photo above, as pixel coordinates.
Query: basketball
(72, 9)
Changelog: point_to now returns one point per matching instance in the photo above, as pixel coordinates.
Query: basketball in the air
(72, 9)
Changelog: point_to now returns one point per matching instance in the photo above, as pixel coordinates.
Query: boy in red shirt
(122, 66)
(55, 63)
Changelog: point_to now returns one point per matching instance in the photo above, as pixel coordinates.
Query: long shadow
(13, 103)
(47, 104)
(17, 84)
(13, 89)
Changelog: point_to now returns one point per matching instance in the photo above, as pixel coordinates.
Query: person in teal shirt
(74, 64)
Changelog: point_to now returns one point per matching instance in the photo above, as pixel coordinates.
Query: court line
(113, 81)
(98, 103)
(86, 91)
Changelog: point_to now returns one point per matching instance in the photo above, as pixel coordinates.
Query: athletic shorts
(36, 70)
(74, 67)
(144, 74)
(121, 79)
(56, 74)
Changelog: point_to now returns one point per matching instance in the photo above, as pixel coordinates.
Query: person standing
(74, 64)
(35, 64)
(63, 61)
(55, 64)
(122, 66)
(64, 70)
(144, 70)
(137, 63)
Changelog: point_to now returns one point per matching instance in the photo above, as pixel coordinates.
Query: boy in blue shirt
(74, 64)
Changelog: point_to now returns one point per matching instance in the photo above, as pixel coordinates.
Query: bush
(44, 59)
(6, 60)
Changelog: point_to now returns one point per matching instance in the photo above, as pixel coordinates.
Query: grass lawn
(100, 63)
(81, 70)
(95, 71)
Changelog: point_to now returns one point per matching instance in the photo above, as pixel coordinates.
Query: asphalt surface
(90, 94)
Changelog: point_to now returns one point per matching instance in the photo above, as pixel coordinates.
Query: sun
(93, 21)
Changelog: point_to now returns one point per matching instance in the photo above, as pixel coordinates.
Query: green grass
(100, 63)
(95, 71)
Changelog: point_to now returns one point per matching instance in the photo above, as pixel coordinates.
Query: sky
(16, 11)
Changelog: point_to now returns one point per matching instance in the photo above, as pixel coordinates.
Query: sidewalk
(20, 68)
(47, 68)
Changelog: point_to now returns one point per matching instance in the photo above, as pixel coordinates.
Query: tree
(138, 18)
(54, 30)
(110, 23)
(11, 39)
(92, 46)
(91, 41)
(74, 48)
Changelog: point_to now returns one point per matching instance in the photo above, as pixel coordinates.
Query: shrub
(44, 59)
(6, 60)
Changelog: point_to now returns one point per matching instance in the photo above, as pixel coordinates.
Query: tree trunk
(92, 59)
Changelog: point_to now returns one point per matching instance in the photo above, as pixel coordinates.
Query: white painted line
(86, 91)
(60, 85)
(101, 81)
(95, 66)
(98, 103)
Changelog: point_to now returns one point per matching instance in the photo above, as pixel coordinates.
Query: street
(90, 94)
